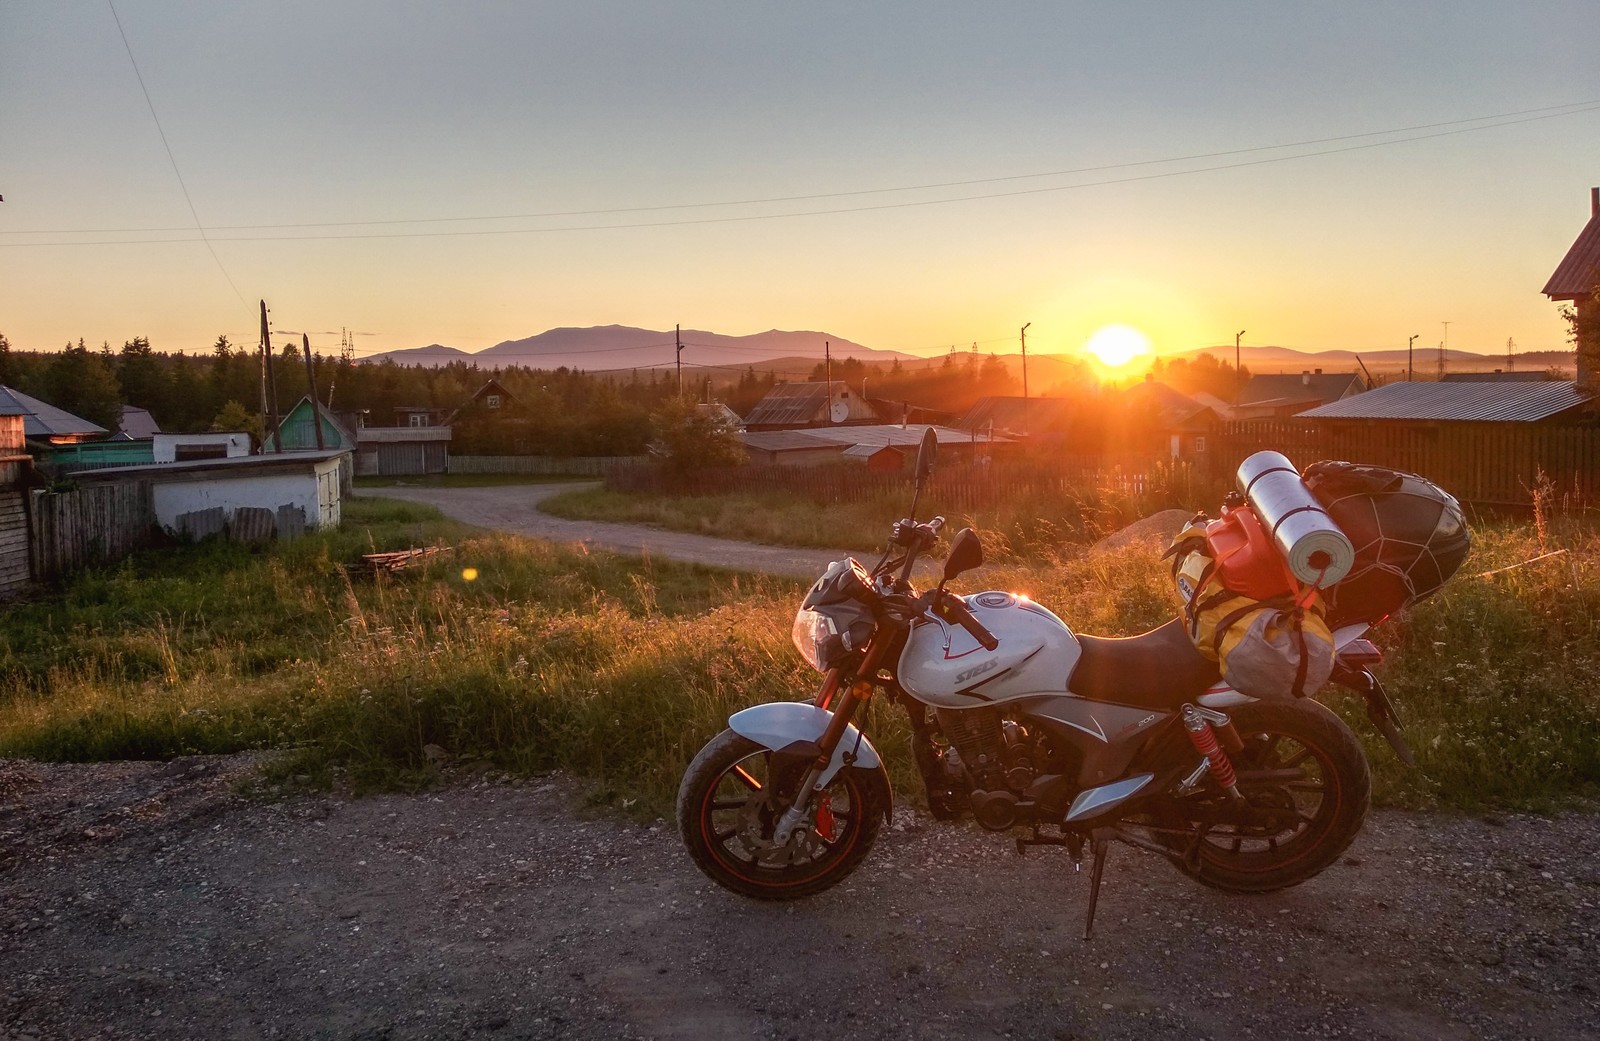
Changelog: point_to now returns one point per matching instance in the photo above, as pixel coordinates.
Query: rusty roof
(1579, 271)
(791, 403)
(1457, 402)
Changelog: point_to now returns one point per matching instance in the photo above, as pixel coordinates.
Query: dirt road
(515, 508)
(145, 901)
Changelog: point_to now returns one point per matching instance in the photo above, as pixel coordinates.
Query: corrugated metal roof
(872, 437)
(1282, 388)
(783, 440)
(868, 451)
(1008, 412)
(1458, 402)
(1579, 271)
(908, 436)
(44, 419)
(790, 403)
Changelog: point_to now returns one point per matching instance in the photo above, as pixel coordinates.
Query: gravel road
(147, 901)
(515, 508)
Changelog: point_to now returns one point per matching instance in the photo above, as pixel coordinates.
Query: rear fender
(795, 727)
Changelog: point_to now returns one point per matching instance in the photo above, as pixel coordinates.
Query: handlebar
(953, 609)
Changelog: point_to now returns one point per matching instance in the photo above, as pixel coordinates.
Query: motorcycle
(1077, 740)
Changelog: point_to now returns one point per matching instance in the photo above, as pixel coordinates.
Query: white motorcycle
(1075, 739)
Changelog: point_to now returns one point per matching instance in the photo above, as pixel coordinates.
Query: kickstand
(1095, 874)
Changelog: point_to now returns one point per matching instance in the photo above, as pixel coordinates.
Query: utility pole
(1023, 333)
(677, 338)
(1411, 370)
(269, 388)
(827, 369)
(1511, 356)
(266, 340)
(311, 384)
(1238, 367)
(1444, 345)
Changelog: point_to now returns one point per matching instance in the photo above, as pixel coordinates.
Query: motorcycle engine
(976, 736)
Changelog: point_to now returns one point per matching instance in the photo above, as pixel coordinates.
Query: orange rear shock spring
(1205, 742)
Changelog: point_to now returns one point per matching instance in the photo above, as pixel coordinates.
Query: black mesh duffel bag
(1409, 535)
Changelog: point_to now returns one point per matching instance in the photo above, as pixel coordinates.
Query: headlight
(810, 634)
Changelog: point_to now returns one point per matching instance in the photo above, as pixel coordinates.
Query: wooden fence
(1487, 465)
(15, 569)
(92, 525)
(591, 466)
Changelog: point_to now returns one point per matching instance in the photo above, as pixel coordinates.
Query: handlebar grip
(936, 524)
(954, 610)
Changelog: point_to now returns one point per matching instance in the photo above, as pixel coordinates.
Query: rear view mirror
(927, 453)
(966, 553)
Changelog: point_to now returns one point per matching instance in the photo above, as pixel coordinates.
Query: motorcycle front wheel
(1303, 763)
(729, 803)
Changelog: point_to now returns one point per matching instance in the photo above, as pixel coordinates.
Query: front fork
(857, 687)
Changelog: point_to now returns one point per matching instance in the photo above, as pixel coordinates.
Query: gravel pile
(151, 901)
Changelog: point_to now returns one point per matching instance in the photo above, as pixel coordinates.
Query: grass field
(1034, 528)
(515, 655)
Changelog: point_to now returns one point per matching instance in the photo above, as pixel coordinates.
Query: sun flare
(1116, 345)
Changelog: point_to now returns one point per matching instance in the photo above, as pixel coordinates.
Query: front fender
(784, 725)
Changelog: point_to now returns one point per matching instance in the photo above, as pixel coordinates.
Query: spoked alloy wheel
(729, 804)
(1305, 772)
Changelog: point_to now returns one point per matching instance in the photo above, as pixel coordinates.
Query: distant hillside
(1290, 360)
(432, 355)
(1287, 359)
(610, 347)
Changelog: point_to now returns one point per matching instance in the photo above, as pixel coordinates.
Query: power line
(741, 218)
(1551, 109)
(170, 157)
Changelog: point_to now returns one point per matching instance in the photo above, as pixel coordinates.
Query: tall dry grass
(617, 670)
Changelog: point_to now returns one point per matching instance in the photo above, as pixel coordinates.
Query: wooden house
(1576, 280)
(15, 572)
(42, 421)
(797, 406)
(1281, 395)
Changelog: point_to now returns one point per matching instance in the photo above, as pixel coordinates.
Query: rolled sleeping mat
(1317, 552)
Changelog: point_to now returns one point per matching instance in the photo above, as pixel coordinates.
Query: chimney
(1305, 377)
(1317, 371)
(1594, 202)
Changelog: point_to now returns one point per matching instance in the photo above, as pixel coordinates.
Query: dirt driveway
(515, 508)
(146, 901)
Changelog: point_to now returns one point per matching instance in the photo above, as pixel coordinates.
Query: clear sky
(371, 165)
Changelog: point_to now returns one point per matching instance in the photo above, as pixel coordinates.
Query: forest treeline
(552, 411)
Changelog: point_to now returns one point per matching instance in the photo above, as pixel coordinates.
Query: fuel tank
(943, 666)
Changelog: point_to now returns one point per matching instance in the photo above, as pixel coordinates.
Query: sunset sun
(1116, 345)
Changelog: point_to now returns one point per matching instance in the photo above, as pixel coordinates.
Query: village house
(795, 406)
(1281, 395)
(1576, 280)
(42, 421)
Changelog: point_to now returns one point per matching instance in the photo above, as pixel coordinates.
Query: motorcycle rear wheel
(727, 808)
(1317, 769)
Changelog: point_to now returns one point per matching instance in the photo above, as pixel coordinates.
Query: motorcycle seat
(1159, 669)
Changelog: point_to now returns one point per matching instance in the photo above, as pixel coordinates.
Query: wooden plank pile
(392, 563)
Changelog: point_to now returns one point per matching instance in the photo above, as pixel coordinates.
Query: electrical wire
(745, 218)
(170, 157)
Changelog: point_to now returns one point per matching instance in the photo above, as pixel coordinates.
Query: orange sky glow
(424, 177)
